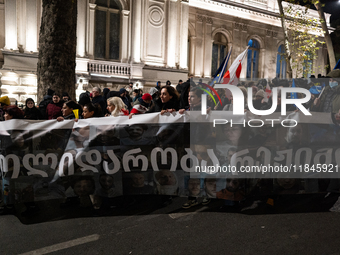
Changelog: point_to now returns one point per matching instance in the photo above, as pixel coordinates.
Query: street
(171, 230)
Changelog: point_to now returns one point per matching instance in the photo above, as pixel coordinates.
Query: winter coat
(33, 114)
(158, 106)
(335, 104)
(53, 110)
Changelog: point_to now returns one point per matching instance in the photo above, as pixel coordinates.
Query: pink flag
(233, 74)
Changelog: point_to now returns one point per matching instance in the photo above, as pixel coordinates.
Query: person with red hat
(141, 105)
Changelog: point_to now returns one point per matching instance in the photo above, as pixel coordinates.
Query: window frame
(219, 44)
(253, 49)
(107, 42)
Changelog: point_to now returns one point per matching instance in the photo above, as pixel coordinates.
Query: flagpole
(225, 63)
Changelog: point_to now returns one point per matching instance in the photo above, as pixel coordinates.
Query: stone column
(11, 36)
(81, 28)
(136, 31)
(31, 26)
(125, 35)
(172, 35)
(183, 55)
(192, 54)
(208, 48)
(91, 30)
(262, 58)
(199, 47)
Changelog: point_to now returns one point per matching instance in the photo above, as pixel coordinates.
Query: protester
(142, 105)
(67, 111)
(90, 111)
(330, 98)
(136, 94)
(46, 101)
(32, 112)
(168, 101)
(65, 97)
(116, 107)
(53, 109)
(13, 112)
(179, 86)
(84, 98)
(4, 101)
(105, 92)
(97, 98)
(122, 95)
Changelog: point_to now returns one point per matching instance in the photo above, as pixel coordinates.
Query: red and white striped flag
(233, 74)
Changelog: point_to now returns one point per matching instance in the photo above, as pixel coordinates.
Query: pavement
(289, 225)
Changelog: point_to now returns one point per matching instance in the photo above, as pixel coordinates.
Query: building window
(107, 30)
(219, 51)
(281, 65)
(253, 59)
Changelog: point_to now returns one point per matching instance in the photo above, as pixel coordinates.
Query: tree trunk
(285, 32)
(328, 40)
(57, 47)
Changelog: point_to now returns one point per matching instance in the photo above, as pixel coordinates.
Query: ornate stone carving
(209, 20)
(200, 18)
(268, 32)
(156, 15)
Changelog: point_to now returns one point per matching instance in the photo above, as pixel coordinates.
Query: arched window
(219, 51)
(281, 65)
(107, 30)
(253, 59)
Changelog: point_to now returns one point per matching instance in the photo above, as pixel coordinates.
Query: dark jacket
(335, 104)
(101, 101)
(158, 106)
(43, 105)
(33, 114)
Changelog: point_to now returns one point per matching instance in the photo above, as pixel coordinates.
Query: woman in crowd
(91, 111)
(53, 109)
(67, 111)
(167, 102)
(116, 107)
(13, 112)
(32, 112)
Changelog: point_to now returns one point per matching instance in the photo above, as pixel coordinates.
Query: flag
(233, 74)
(220, 71)
(315, 90)
(268, 92)
(337, 66)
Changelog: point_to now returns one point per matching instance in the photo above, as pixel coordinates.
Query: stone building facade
(145, 41)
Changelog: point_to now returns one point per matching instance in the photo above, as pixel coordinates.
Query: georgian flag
(233, 74)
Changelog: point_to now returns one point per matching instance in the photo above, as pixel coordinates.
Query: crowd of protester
(170, 98)
(186, 96)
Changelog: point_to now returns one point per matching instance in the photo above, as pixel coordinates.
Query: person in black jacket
(32, 112)
(168, 101)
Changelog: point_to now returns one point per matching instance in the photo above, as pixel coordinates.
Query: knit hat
(260, 93)
(5, 100)
(50, 92)
(122, 90)
(147, 96)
